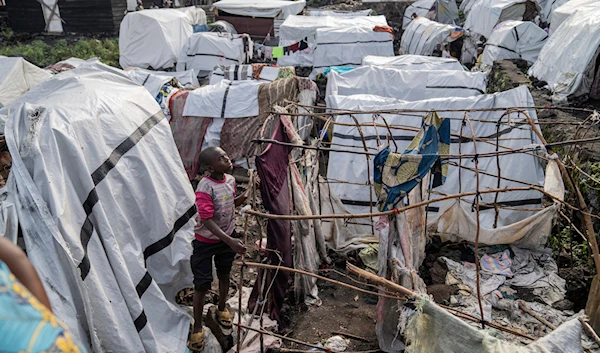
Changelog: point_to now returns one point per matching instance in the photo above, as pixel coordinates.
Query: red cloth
(294, 47)
(386, 29)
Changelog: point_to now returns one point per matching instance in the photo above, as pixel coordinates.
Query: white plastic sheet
(414, 62)
(348, 46)
(443, 11)
(206, 50)
(548, 7)
(567, 61)
(319, 12)
(18, 76)
(297, 28)
(486, 14)
(106, 209)
(514, 40)
(154, 38)
(563, 12)
(422, 36)
(408, 85)
(226, 99)
(353, 168)
(155, 80)
(279, 9)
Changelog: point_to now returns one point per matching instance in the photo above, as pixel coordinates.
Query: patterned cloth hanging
(397, 174)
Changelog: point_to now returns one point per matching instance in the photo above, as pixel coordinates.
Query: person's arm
(235, 244)
(21, 267)
(242, 198)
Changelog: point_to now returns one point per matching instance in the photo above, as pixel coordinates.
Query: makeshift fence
(386, 288)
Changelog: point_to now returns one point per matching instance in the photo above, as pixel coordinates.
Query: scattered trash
(336, 344)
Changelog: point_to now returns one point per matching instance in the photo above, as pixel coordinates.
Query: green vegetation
(42, 54)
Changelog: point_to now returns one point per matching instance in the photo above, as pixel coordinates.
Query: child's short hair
(206, 157)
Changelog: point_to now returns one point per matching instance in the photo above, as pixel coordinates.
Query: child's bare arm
(235, 244)
(242, 198)
(21, 267)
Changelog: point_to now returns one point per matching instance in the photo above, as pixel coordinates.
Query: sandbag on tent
(297, 28)
(18, 76)
(350, 168)
(154, 38)
(485, 15)
(412, 85)
(514, 40)
(202, 52)
(422, 36)
(279, 9)
(563, 12)
(568, 61)
(414, 62)
(105, 207)
(443, 11)
(348, 46)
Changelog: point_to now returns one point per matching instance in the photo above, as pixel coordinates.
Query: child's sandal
(224, 318)
(196, 342)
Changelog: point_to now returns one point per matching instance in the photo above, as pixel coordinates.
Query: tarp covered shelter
(154, 38)
(484, 16)
(411, 85)
(279, 9)
(202, 52)
(560, 14)
(320, 12)
(18, 76)
(153, 80)
(111, 240)
(422, 36)
(297, 28)
(347, 46)
(414, 62)
(443, 11)
(569, 60)
(514, 40)
(356, 198)
(548, 7)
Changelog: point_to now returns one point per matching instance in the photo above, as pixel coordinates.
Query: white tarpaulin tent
(411, 85)
(154, 80)
(568, 60)
(443, 11)
(154, 38)
(514, 40)
(348, 46)
(346, 167)
(414, 62)
(106, 209)
(486, 14)
(18, 76)
(319, 12)
(202, 52)
(297, 28)
(466, 6)
(563, 12)
(548, 7)
(422, 36)
(279, 9)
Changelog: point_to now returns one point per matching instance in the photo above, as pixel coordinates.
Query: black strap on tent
(225, 100)
(503, 47)
(215, 55)
(457, 87)
(358, 42)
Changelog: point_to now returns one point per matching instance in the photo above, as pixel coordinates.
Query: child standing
(215, 237)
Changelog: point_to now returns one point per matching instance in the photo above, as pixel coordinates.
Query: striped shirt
(215, 200)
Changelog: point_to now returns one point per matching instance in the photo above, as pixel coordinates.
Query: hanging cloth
(397, 174)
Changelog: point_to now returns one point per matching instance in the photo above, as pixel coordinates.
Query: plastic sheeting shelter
(486, 14)
(414, 62)
(348, 46)
(18, 76)
(406, 85)
(319, 13)
(561, 14)
(111, 239)
(422, 36)
(443, 11)
(568, 61)
(514, 40)
(202, 52)
(297, 28)
(154, 80)
(351, 168)
(154, 38)
(279, 9)
(548, 7)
